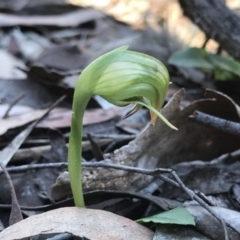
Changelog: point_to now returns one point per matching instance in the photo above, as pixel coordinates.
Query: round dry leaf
(81, 222)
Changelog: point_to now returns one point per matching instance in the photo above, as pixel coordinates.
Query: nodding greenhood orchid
(121, 77)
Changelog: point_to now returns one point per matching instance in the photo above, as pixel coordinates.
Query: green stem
(75, 148)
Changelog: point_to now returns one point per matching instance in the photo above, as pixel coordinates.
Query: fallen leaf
(29, 44)
(58, 118)
(49, 76)
(176, 232)
(9, 66)
(22, 119)
(41, 96)
(210, 226)
(71, 19)
(81, 222)
(64, 57)
(180, 216)
(211, 178)
(16, 110)
(7, 153)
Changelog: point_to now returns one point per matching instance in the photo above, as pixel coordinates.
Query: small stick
(16, 214)
(12, 104)
(205, 42)
(191, 194)
(117, 137)
(204, 198)
(216, 123)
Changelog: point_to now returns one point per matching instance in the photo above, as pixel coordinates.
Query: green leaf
(191, 57)
(225, 63)
(223, 75)
(225, 68)
(178, 216)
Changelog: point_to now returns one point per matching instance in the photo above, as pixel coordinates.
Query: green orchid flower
(121, 77)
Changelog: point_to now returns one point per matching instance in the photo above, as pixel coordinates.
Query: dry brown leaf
(9, 65)
(41, 96)
(216, 177)
(22, 119)
(7, 153)
(82, 222)
(91, 116)
(16, 110)
(177, 232)
(71, 19)
(65, 58)
(58, 118)
(210, 226)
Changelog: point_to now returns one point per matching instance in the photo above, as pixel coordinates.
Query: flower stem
(75, 147)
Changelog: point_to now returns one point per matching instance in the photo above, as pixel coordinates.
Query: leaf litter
(48, 45)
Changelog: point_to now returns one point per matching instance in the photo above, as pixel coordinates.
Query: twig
(216, 123)
(110, 146)
(16, 214)
(12, 104)
(205, 205)
(105, 164)
(205, 42)
(96, 150)
(204, 198)
(153, 172)
(226, 235)
(209, 202)
(113, 136)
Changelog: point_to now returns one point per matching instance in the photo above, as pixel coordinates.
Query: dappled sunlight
(141, 13)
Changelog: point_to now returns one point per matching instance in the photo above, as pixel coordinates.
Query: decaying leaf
(65, 57)
(81, 222)
(16, 110)
(7, 153)
(58, 118)
(71, 19)
(176, 232)
(40, 97)
(215, 177)
(9, 65)
(209, 226)
(159, 146)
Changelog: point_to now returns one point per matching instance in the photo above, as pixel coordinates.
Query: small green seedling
(121, 77)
